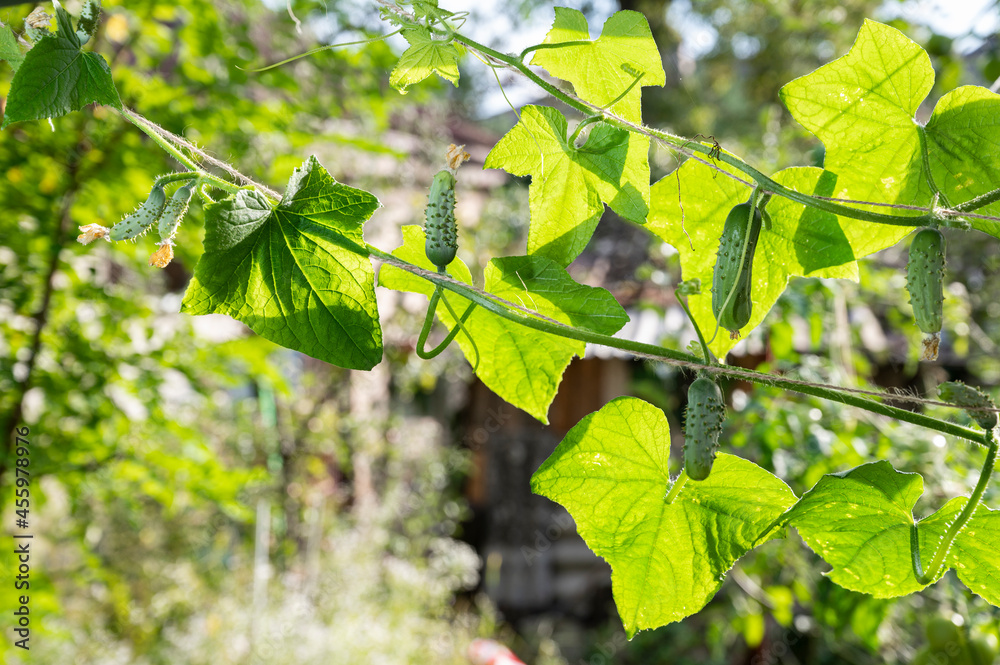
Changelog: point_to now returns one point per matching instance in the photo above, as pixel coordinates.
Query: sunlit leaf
(297, 273)
(668, 560)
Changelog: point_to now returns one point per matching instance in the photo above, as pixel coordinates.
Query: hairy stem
(175, 177)
(936, 567)
(675, 489)
(979, 201)
(686, 145)
(535, 321)
(177, 154)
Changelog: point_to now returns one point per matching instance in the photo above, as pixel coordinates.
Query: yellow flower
(162, 257)
(92, 232)
(456, 155)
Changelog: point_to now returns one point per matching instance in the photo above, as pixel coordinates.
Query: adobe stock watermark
(606, 651)
(495, 419)
(776, 650)
(22, 540)
(560, 524)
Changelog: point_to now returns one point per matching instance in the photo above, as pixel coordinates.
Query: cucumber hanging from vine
(170, 219)
(440, 226)
(174, 210)
(925, 282)
(732, 279)
(145, 216)
(706, 412)
(441, 245)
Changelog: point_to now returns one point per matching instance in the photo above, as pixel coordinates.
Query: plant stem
(979, 201)
(174, 177)
(425, 331)
(709, 356)
(686, 144)
(937, 562)
(178, 155)
(539, 47)
(501, 308)
(579, 128)
(675, 489)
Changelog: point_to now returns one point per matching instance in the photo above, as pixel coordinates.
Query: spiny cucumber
(174, 211)
(925, 282)
(706, 412)
(732, 300)
(440, 228)
(139, 221)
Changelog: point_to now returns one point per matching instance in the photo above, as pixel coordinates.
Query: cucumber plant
(440, 227)
(441, 245)
(301, 257)
(174, 211)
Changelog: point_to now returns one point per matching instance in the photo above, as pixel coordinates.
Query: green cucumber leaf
(668, 560)
(568, 184)
(425, 56)
(861, 521)
(974, 552)
(801, 241)
(596, 69)
(862, 107)
(963, 149)
(298, 273)
(544, 286)
(56, 77)
(521, 365)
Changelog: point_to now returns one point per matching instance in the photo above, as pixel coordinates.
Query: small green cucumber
(702, 426)
(138, 222)
(732, 302)
(173, 211)
(925, 282)
(962, 395)
(440, 228)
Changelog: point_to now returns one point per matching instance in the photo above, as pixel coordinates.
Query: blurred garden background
(201, 495)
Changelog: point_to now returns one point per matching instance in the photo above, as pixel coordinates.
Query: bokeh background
(201, 495)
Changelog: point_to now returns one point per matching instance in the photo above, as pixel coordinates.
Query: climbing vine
(296, 269)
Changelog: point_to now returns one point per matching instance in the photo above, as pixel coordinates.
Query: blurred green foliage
(156, 437)
(153, 445)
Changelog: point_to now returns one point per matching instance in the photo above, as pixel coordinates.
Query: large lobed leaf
(298, 273)
(861, 523)
(862, 107)
(521, 365)
(425, 56)
(599, 70)
(569, 185)
(668, 560)
(55, 77)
